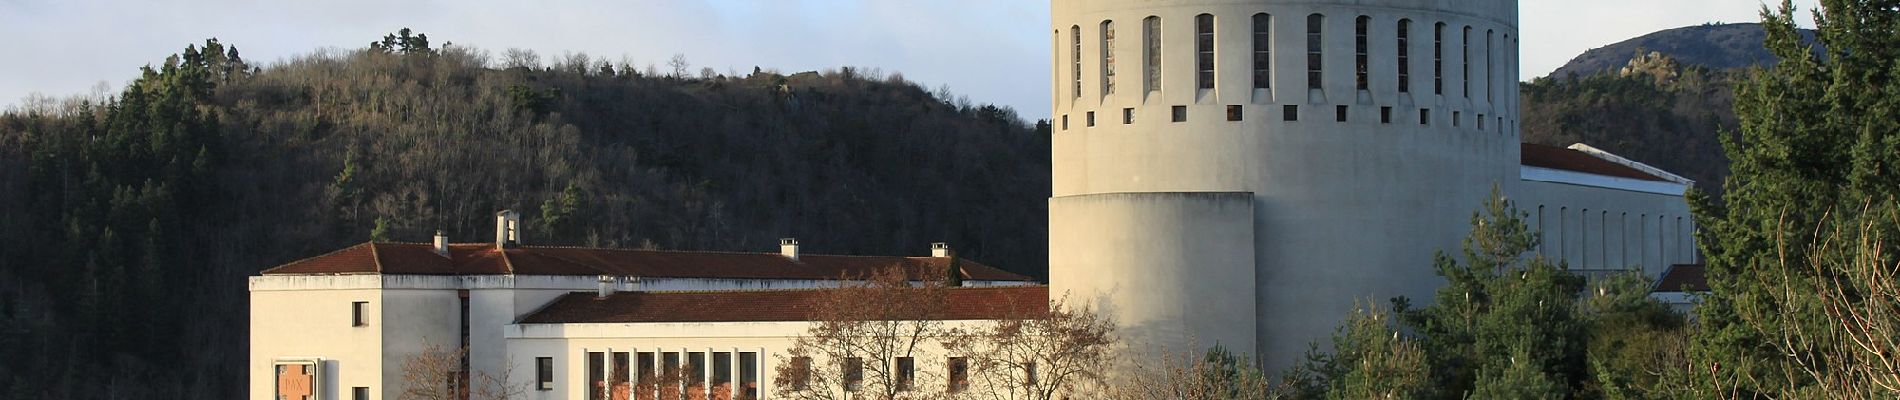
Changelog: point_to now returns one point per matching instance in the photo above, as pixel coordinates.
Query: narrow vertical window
(621, 367)
(1204, 50)
(1490, 77)
(1108, 58)
(596, 375)
(959, 374)
(1438, 59)
(1262, 51)
(801, 373)
(1151, 34)
(1340, 113)
(722, 371)
(1029, 372)
(906, 373)
(1405, 56)
(1075, 61)
(1314, 50)
(1466, 58)
(356, 313)
(544, 373)
(1361, 58)
(853, 374)
(749, 374)
(696, 370)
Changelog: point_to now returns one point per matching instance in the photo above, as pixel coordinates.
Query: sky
(992, 51)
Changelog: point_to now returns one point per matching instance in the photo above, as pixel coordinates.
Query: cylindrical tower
(1358, 136)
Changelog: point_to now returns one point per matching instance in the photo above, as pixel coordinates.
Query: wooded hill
(131, 222)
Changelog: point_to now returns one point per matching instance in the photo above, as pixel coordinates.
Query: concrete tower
(1240, 172)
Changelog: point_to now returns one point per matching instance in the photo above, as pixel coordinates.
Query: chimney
(607, 284)
(441, 244)
(507, 229)
(788, 247)
(939, 249)
(630, 284)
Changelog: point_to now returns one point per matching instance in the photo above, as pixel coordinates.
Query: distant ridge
(1715, 46)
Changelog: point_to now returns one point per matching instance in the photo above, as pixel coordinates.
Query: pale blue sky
(994, 51)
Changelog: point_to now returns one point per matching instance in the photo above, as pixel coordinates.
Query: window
(721, 368)
(1438, 59)
(1204, 50)
(749, 374)
(1481, 122)
(1405, 56)
(801, 373)
(959, 374)
(1128, 116)
(544, 373)
(648, 374)
(1075, 61)
(1489, 77)
(622, 366)
(1456, 117)
(1065, 122)
(356, 313)
(1466, 57)
(1091, 119)
(1262, 51)
(1424, 116)
(1180, 113)
(696, 366)
(1385, 115)
(596, 375)
(1290, 113)
(359, 393)
(1108, 58)
(1029, 370)
(1339, 114)
(1360, 55)
(1314, 51)
(853, 374)
(1233, 113)
(906, 373)
(1151, 33)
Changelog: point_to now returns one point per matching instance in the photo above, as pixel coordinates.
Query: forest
(132, 219)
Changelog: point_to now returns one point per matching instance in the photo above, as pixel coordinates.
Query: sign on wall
(298, 378)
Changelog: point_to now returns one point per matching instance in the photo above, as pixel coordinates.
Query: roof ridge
(300, 260)
(784, 290)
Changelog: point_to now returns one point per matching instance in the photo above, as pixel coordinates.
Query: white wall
(288, 324)
(1594, 228)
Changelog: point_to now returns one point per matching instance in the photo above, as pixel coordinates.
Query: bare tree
(434, 374)
(1052, 356)
(1216, 375)
(858, 334)
(499, 386)
(679, 65)
(1851, 283)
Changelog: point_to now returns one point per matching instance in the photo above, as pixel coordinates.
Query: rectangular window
(749, 374)
(1490, 94)
(696, 368)
(622, 367)
(1029, 372)
(356, 313)
(1233, 113)
(1456, 117)
(1438, 59)
(1091, 119)
(1339, 113)
(1204, 50)
(359, 393)
(853, 374)
(1128, 116)
(1262, 51)
(1425, 116)
(801, 373)
(1385, 115)
(648, 374)
(1315, 50)
(1075, 61)
(722, 368)
(1481, 122)
(1065, 122)
(1466, 56)
(1361, 56)
(959, 374)
(596, 375)
(1151, 31)
(544, 373)
(1180, 113)
(1108, 58)
(906, 373)
(1405, 56)
(1290, 113)
(670, 365)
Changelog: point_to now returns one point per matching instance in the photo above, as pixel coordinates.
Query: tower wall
(1342, 211)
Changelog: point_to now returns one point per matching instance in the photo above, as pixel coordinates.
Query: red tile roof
(964, 303)
(1537, 155)
(1684, 278)
(485, 259)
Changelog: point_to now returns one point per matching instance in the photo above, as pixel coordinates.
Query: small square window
(1424, 116)
(1339, 113)
(1091, 119)
(1233, 113)
(544, 373)
(356, 314)
(1180, 113)
(359, 393)
(1128, 116)
(1290, 113)
(1385, 115)
(1455, 118)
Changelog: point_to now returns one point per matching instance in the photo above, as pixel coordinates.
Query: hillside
(1673, 122)
(131, 223)
(1712, 46)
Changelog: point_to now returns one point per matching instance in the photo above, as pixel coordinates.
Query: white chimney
(507, 229)
(441, 244)
(607, 284)
(939, 249)
(630, 284)
(788, 247)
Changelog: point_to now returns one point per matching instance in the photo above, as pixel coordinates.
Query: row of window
(1672, 247)
(670, 374)
(1262, 51)
(1291, 113)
